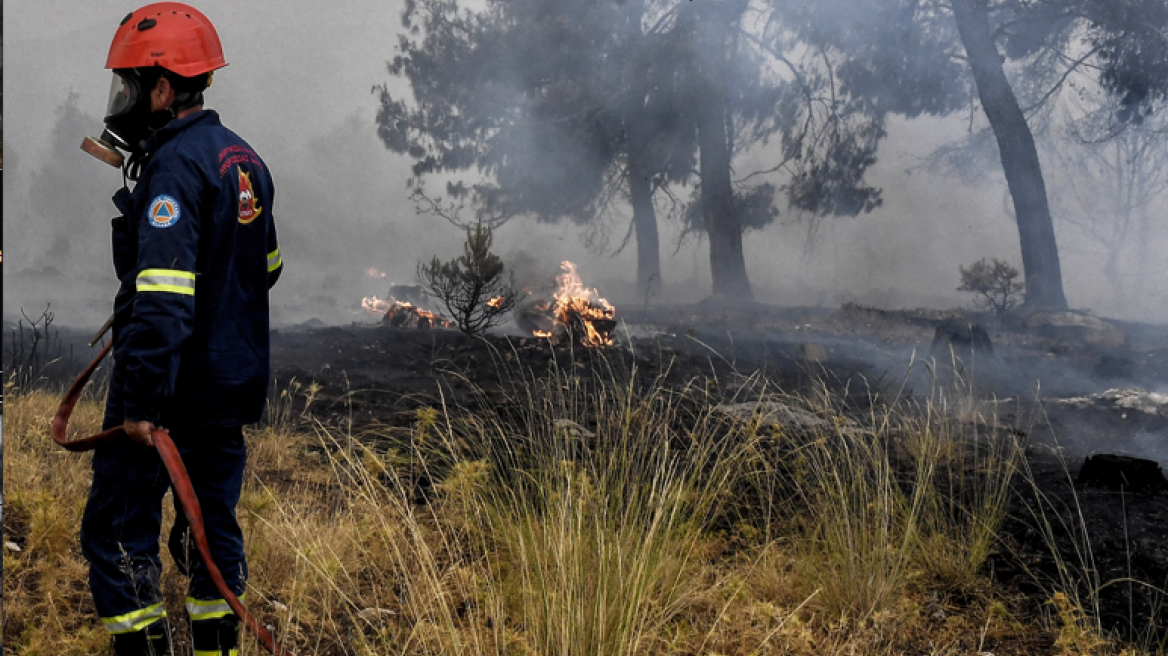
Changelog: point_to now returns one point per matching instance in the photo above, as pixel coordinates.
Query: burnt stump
(1113, 471)
(963, 338)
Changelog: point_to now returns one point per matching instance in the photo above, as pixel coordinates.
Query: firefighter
(195, 251)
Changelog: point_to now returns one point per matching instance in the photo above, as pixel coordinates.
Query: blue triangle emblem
(164, 212)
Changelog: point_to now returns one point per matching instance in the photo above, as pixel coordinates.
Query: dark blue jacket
(195, 250)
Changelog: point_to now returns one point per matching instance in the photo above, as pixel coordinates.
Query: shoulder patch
(164, 212)
(248, 209)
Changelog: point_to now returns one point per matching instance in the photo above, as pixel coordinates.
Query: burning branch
(578, 311)
(403, 314)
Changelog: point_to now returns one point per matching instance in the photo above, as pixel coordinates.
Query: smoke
(60, 211)
(298, 89)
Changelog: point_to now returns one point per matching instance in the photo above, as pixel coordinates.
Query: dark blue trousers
(123, 520)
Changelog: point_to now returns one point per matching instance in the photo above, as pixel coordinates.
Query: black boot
(153, 640)
(217, 637)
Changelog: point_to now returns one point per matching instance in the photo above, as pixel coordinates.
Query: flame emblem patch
(164, 212)
(248, 210)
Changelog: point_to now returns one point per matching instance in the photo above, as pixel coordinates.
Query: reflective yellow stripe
(215, 652)
(209, 609)
(166, 280)
(274, 260)
(134, 621)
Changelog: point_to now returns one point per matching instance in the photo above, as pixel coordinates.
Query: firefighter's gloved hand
(140, 431)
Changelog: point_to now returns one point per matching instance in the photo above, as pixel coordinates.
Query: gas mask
(129, 121)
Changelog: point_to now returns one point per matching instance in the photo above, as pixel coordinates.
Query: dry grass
(595, 519)
(45, 594)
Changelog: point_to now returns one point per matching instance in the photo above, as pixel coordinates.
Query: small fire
(401, 314)
(496, 302)
(580, 310)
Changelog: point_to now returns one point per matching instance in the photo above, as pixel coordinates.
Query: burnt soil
(1112, 542)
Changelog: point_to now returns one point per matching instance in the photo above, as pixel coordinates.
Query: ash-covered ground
(1070, 385)
(1048, 376)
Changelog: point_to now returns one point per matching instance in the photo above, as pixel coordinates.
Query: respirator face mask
(125, 92)
(128, 119)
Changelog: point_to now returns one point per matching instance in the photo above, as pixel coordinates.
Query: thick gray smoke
(298, 89)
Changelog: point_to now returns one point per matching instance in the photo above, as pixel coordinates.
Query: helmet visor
(123, 96)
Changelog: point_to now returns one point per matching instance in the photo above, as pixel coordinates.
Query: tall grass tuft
(597, 502)
(919, 490)
(965, 463)
(568, 517)
(862, 529)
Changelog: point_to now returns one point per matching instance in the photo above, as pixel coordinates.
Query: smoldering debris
(1122, 401)
(1077, 327)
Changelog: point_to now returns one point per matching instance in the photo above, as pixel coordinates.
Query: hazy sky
(288, 61)
(298, 89)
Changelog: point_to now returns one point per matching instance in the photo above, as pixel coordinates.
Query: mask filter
(102, 149)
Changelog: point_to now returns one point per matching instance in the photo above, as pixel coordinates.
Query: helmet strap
(187, 101)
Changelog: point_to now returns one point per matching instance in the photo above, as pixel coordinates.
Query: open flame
(402, 314)
(579, 310)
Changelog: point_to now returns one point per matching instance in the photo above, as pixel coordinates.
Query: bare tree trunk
(645, 226)
(1040, 258)
(727, 264)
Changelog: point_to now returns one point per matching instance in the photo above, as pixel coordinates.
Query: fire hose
(182, 489)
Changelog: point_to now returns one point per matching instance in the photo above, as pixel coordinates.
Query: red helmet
(172, 35)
